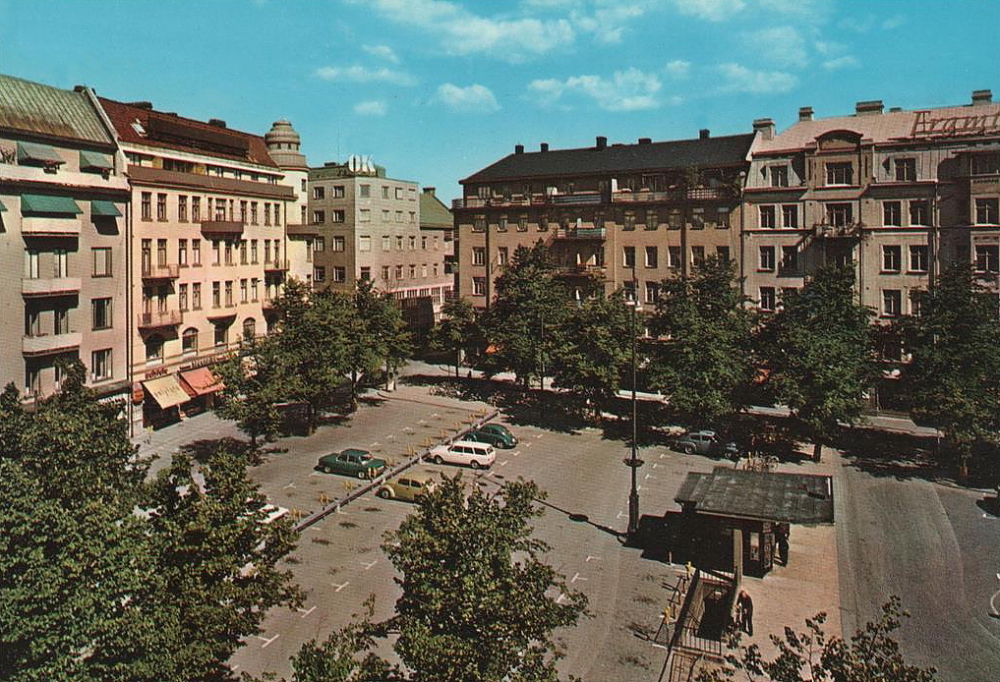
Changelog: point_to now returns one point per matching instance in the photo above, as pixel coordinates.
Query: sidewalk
(164, 442)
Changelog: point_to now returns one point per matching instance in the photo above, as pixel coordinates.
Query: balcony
(276, 265)
(51, 343)
(160, 318)
(229, 311)
(522, 200)
(651, 196)
(50, 227)
(160, 272)
(578, 233)
(582, 270)
(224, 228)
(837, 231)
(57, 286)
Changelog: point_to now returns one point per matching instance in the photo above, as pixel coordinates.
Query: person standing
(781, 537)
(744, 611)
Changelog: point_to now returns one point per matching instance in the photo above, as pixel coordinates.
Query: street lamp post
(633, 462)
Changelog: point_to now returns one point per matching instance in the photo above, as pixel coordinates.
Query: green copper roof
(41, 109)
(48, 203)
(99, 207)
(433, 213)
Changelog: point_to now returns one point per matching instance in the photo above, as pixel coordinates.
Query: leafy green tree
(255, 382)
(871, 655)
(595, 349)
(477, 602)
(820, 350)
(523, 321)
(457, 331)
(953, 379)
(217, 559)
(702, 357)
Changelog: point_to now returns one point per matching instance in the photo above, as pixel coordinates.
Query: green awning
(104, 208)
(47, 203)
(95, 161)
(39, 153)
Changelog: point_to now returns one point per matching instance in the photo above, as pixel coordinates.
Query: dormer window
(839, 173)
(779, 176)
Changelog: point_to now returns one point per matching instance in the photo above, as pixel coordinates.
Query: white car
(475, 455)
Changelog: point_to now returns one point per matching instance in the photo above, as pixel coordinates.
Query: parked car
(408, 487)
(496, 435)
(706, 443)
(475, 455)
(352, 462)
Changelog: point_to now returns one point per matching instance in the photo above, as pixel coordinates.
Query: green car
(495, 434)
(351, 462)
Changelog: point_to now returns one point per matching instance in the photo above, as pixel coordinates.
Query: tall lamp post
(633, 462)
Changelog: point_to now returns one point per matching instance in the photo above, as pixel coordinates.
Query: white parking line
(374, 444)
(649, 476)
(305, 612)
(528, 445)
(368, 565)
(656, 464)
(315, 473)
(503, 463)
(290, 485)
(620, 514)
(540, 435)
(266, 641)
(560, 599)
(516, 453)
(576, 576)
(590, 558)
(315, 527)
(340, 587)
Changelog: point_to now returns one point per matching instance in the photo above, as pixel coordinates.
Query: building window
(385, 192)
(413, 216)
(385, 273)
(628, 256)
(767, 301)
(891, 302)
(243, 211)
(673, 256)
(182, 296)
(502, 256)
(319, 274)
(337, 216)
(364, 243)
(765, 258)
(339, 244)
(161, 207)
(319, 217)
(229, 293)
(543, 223)
(479, 223)
(652, 291)
(522, 223)
(399, 272)
(319, 244)
(221, 335)
(697, 255)
(399, 216)
(423, 242)
(216, 294)
(789, 258)
(652, 220)
(790, 216)
(253, 212)
(988, 258)
(101, 313)
(839, 215)
(154, 349)
(229, 252)
(102, 262)
(906, 170)
(196, 296)
(399, 243)
(364, 215)
(478, 255)
(892, 213)
(985, 164)
(779, 176)
(502, 224)
(338, 191)
(478, 286)
(652, 257)
(386, 243)
(182, 208)
(147, 205)
(365, 191)
(766, 216)
(366, 273)
(244, 292)
(399, 193)
(722, 253)
(196, 209)
(839, 174)
(318, 192)
(254, 282)
(628, 221)
(267, 214)
(891, 256)
(918, 258)
(189, 341)
(986, 211)
(100, 364)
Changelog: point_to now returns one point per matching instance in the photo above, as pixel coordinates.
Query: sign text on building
(952, 126)
(362, 165)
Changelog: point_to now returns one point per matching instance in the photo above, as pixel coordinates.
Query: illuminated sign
(953, 126)
(362, 165)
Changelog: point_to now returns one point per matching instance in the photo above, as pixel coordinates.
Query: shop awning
(37, 153)
(166, 391)
(200, 381)
(104, 208)
(49, 203)
(95, 160)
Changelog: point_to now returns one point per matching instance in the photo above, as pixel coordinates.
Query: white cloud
(629, 90)
(840, 63)
(895, 21)
(712, 10)
(783, 45)
(678, 68)
(815, 10)
(607, 23)
(474, 98)
(361, 74)
(371, 108)
(462, 32)
(382, 52)
(738, 78)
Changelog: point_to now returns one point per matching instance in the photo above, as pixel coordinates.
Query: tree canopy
(457, 332)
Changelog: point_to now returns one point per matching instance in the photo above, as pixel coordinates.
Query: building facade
(438, 224)
(615, 217)
(63, 224)
(283, 144)
(207, 255)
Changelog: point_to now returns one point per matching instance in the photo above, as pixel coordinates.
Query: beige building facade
(63, 224)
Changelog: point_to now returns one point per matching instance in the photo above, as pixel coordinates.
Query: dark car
(706, 443)
(351, 462)
(496, 435)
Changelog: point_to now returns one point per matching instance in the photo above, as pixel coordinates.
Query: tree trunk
(817, 450)
(354, 390)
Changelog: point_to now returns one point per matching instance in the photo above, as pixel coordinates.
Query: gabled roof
(29, 107)
(433, 212)
(654, 156)
(169, 131)
(766, 496)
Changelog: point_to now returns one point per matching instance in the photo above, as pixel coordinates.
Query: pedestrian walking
(781, 536)
(744, 612)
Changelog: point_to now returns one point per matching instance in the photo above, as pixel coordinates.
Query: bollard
(323, 499)
(688, 568)
(348, 486)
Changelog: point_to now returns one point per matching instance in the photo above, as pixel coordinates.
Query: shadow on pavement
(583, 518)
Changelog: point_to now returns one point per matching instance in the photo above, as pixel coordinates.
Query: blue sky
(436, 89)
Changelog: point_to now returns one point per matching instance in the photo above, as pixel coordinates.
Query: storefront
(201, 386)
(162, 398)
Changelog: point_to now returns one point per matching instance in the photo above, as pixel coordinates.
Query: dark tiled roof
(43, 110)
(124, 115)
(788, 498)
(677, 154)
(433, 213)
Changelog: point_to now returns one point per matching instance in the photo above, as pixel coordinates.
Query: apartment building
(283, 145)
(207, 251)
(897, 194)
(437, 224)
(63, 224)
(615, 216)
